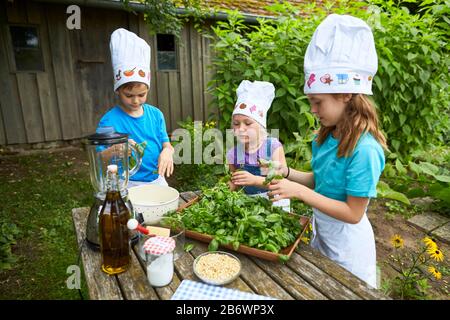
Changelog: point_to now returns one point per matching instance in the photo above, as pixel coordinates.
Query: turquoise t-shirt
(150, 127)
(356, 175)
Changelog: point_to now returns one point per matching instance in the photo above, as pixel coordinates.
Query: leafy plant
(234, 218)
(8, 235)
(411, 86)
(188, 247)
(140, 148)
(415, 268)
(410, 89)
(272, 173)
(194, 176)
(427, 175)
(384, 191)
(165, 16)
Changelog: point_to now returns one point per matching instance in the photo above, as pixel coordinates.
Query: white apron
(161, 181)
(350, 245)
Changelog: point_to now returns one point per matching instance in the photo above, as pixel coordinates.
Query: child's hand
(232, 186)
(283, 189)
(132, 143)
(271, 170)
(243, 178)
(165, 162)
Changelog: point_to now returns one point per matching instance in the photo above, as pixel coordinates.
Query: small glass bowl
(214, 282)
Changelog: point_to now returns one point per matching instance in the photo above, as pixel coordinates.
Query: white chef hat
(341, 57)
(254, 100)
(130, 57)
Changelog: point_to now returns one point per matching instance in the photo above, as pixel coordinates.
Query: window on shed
(166, 52)
(27, 48)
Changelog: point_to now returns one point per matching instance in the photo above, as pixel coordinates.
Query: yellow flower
(436, 254)
(430, 242)
(434, 272)
(397, 241)
(305, 240)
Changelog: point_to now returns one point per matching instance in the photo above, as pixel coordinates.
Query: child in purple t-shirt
(249, 124)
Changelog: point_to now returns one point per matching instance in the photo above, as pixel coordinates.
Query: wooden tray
(259, 253)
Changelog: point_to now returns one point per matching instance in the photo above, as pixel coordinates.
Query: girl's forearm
(339, 210)
(304, 178)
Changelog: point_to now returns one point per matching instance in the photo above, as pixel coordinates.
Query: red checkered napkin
(159, 245)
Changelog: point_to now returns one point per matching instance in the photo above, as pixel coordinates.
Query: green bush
(8, 235)
(411, 86)
(191, 176)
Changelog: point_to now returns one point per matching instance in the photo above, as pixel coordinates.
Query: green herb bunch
(233, 218)
(140, 147)
(272, 167)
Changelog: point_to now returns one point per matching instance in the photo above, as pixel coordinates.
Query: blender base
(96, 247)
(93, 246)
(92, 236)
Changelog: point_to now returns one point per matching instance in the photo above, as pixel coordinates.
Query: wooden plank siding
(196, 73)
(63, 72)
(12, 120)
(175, 99)
(92, 61)
(51, 118)
(68, 98)
(184, 55)
(143, 32)
(208, 73)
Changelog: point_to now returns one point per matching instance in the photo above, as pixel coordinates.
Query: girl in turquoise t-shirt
(348, 158)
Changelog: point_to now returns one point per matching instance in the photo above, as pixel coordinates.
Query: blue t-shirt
(149, 127)
(356, 175)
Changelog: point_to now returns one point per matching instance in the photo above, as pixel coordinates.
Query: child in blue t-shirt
(144, 123)
(348, 158)
(249, 123)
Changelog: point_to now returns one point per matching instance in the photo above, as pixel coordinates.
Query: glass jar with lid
(159, 260)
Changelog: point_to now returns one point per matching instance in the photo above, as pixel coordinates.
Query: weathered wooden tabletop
(307, 275)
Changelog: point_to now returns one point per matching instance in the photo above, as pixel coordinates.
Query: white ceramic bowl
(153, 201)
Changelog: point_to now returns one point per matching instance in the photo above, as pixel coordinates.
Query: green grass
(38, 193)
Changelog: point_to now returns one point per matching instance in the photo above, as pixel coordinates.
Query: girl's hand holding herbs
(284, 189)
(272, 170)
(244, 178)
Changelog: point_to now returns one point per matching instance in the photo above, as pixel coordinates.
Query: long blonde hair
(360, 116)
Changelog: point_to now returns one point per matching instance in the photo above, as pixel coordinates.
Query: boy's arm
(165, 161)
(168, 145)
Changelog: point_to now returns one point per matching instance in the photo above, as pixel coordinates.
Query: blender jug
(107, 147)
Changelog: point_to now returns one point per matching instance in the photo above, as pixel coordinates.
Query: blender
(107, 147)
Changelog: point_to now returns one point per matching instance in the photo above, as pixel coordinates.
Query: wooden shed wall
(67, 100)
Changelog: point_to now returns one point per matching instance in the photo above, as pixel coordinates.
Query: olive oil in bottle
(113, 231)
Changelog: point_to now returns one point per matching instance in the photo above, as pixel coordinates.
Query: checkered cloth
(193, 290)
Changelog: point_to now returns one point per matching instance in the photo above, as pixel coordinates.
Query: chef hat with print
(254, 100)
(130, 57)
(341, 57)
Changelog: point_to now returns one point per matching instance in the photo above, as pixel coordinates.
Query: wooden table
(307, 275)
